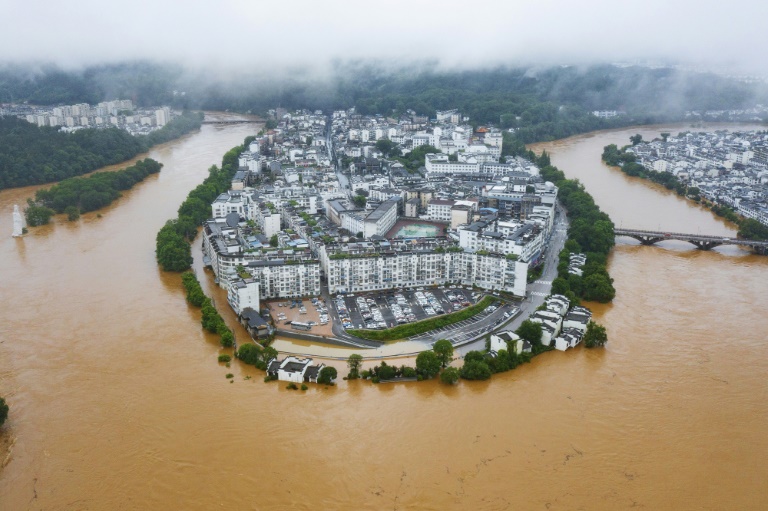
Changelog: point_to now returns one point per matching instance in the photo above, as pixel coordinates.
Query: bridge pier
(705, 245)
(646, 240)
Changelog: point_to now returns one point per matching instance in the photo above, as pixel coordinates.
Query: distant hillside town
(118, 113)
(729, 168)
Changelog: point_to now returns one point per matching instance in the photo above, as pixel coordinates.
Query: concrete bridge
(229, 121)
(702, 241)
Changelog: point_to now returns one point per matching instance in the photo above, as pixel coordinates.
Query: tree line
(590, 232)
(173, 249)
(32, 155)
(211, 319)
(83, 194)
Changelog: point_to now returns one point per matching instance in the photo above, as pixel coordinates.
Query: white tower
(18, 222)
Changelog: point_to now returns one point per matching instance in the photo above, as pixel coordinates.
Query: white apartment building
(243, 293)
(439, 164)
(439, 210)
(289, 274)
(525, 241)
(268, 220)
(350, 269)
(232, 201)
(162, 116)
(381, 219)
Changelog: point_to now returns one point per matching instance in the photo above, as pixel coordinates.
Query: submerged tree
(595, 336)
(354, 362)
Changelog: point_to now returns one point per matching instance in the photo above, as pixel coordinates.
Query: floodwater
(118, 402)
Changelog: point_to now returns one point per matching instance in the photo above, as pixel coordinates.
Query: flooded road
(118, 402)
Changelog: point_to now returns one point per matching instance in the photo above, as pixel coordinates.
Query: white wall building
(243, 293)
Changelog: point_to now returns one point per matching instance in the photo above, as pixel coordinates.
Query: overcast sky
(723, 35)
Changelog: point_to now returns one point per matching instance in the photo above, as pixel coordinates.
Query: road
(538, 290)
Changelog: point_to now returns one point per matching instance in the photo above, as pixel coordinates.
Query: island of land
(356, 230)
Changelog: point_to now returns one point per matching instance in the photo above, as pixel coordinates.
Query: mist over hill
(375, 87)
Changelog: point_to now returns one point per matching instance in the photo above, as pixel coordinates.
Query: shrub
(327, 375)
(450, 375)
(224, 358)
(230, 375)
(3, 411)
(427, 364)
(385, 372)
(72, 212)
(304, 387)
(249, 353)
(475, 370)
(292, 386)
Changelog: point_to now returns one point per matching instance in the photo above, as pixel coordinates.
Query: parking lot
(386, 309)
(311, 311)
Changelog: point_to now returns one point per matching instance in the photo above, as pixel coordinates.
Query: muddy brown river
(118, 402)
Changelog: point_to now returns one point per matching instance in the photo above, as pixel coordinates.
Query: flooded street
(117, 400)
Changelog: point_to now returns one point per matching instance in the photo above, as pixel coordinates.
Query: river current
(118, 402)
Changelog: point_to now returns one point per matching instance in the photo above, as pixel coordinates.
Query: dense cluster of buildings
(118, 113)
(730, 168)
(562, 327)
(294, 221)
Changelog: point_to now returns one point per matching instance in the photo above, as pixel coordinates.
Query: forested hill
(32, 155)
(483, 94)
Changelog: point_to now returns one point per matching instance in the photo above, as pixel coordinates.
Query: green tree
(175, 255)
(249, 353)
(327, 375)
(598, 287)
(37, 215)
(444, 351)
(268, 353)
(595, 336)
(560, 286)
(227, 337)
(386, 372)
(359, 201)
(354, 362)
(273, 240)
(474, 356)
(3, 411)
(195, 295)
(530, 331)
(72, 212)
(387, 147)
(636, 139)
(450, 375)
(751, 229)
(475, 370)
(427, 364)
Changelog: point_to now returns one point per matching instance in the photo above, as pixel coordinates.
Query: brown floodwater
(118, 402)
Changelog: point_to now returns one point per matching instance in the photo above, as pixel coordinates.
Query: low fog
(306, 36)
